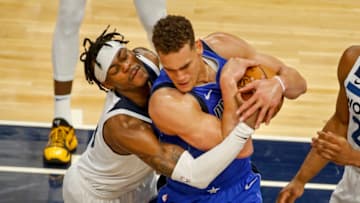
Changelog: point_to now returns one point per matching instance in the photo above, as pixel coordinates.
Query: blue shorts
(246, 190)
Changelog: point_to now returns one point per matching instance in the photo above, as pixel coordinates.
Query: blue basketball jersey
(209, 97)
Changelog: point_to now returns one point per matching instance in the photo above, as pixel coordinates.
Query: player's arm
(338, 124)
(229, 79)
(175, 113)
(127, 135)
(229, 46)
(331, 144)
(269, 92)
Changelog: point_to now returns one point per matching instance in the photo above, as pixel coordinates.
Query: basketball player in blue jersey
(196, 90)
(339, 140)
(117, 164)
(62, 138)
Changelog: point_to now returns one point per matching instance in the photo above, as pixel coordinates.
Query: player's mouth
(133, 71)
(182, 85)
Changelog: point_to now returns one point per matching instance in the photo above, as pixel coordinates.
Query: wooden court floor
(308, 35)
(24, 177)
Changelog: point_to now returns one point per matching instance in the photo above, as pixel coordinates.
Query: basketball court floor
(24, 177)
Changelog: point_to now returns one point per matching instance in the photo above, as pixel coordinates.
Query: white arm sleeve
(191, 171)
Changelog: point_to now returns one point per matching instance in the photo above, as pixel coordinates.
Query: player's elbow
(297, 89)
(301, 89)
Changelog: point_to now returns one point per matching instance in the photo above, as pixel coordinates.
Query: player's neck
(206, 74)
(139, 97)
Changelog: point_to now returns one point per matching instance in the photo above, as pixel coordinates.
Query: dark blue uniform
(237, 183)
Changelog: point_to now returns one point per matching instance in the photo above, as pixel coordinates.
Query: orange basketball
(255, 73)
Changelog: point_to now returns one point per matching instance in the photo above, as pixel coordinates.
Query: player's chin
(140, 81)
(183, 87)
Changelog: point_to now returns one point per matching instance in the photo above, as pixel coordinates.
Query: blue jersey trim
(352, 88)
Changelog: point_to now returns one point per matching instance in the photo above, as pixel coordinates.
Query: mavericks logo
(219, 108)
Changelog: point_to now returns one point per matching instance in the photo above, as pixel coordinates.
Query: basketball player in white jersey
(62, 138)
(116, 166)
(339, 140)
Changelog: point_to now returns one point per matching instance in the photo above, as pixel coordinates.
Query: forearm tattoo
(164, 163)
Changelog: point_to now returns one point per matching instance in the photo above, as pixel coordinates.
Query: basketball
(255, 73)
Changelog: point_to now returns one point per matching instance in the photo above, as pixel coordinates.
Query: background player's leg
(65, 54)
(149, 12)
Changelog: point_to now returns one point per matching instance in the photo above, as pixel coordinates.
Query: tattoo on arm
(165, 161)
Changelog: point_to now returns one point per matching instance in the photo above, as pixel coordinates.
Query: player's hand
(333, 147)
(251, 120)
(234, 70)
(267, 98)
(290, 192)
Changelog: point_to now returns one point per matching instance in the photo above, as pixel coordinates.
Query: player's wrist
(227, 82)
(281, 82)
(228, 89)
(242, 131)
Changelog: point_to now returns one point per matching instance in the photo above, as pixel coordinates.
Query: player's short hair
(171, 33)
(91, 51)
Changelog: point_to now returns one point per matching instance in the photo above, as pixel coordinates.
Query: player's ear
(107, 85)
(198, 46)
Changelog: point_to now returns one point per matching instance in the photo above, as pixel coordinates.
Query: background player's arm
(338, 124)
(331, 144)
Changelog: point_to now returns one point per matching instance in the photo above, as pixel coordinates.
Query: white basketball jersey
(352, 85)
(109, 174)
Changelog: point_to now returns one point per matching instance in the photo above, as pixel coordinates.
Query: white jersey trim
(126, 112)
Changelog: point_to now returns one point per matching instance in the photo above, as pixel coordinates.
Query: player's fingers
(250, 86)
(246, 105)
(323, 150)
(291, 199)
(314, 141)
(269, 115)
(282, 198)
(326, 144)
(260, 117)
(322, 134)
(331, 137)
(247, 88)
(239, 99)
(248, 112)
(331, 146)
(325, 154)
